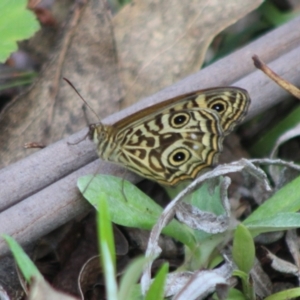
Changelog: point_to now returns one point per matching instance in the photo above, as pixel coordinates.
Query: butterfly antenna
(71, 84)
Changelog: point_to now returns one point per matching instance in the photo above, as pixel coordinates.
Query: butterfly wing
(173, 146)
(230, 103)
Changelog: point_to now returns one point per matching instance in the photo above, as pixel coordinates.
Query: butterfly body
(174, 140)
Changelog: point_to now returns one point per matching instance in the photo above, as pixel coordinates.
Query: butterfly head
(98, 133)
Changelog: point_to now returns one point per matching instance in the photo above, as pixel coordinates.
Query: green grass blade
(25, 264)
(106, 244)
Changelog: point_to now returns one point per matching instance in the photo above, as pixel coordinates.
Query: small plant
(16, 23)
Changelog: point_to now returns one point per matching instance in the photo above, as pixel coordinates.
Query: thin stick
(290, 88)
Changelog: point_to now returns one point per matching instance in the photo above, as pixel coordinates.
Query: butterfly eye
(179, 157)
(218, 107)
(179, 120)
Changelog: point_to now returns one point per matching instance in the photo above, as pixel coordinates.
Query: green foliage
(129, 290)
(134, 270)
(278, 212)
(247, 287)
(243, 251)
(20, 79)
(129, 206)
(16, 23)
(26, 266)
(281, 221)
(128, 287)
(287, 294)
(243, 254)
(207, 197)
(268, 17)
(273, 15)
(107, 247)
(265, 144)
(116, 199)
(156, 290)
(235, 294)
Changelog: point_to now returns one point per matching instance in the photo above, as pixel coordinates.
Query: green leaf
(16, 23)
(208, 197)
(105, 229)
(128, 285)
(136, 293)
(23, 261)
(278, 212)
(129, 206)
(109, 272)
(241, 274)
(275, 16)
(243, 251)
(247, 285)
(156, 290)
(235, 294)
(106, 244)
(287, 294)
(287, 199)
(281, 221)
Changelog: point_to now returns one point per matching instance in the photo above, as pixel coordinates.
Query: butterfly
(175, 140)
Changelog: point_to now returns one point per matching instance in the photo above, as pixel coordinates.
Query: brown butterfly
(174, 140)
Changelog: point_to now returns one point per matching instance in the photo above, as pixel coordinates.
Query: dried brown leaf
(50, 110)
(261, 281)
(165, 41)
(282, 265)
